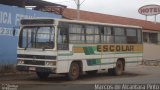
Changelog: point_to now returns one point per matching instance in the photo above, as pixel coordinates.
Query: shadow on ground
(62, 78)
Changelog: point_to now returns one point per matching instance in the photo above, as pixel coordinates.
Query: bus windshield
(37, 37)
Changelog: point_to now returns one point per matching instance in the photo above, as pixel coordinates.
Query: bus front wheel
(74, 71)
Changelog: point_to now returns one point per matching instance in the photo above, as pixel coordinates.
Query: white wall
(151, 51)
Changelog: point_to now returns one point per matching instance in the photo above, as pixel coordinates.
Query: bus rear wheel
(118, 70)
(74, 71)
(42, 75)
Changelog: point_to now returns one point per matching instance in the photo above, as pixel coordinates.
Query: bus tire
(93, 72)
(118, 70)
(74, 71)
(42, 75)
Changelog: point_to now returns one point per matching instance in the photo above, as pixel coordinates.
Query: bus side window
(76, 33)
(107, 35)
(63, 38)
(131, 36)
(120, 36)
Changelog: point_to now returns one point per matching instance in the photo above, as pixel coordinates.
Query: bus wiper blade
(27, 45)
(46, 47)
(43, 49)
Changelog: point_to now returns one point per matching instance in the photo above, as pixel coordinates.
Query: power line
(79, 2)
(63, 1)
(82, 2)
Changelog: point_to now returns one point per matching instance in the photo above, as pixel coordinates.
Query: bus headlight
(20, 62)
(50, 63)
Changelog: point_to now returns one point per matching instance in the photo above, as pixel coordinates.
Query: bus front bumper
(36, 69)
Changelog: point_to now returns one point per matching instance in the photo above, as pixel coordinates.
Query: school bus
(71, 47)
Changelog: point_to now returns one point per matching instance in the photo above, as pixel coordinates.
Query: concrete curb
(15, 73)
(10, 70)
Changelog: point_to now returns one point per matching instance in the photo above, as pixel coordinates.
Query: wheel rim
(119, 67)
(74, 71)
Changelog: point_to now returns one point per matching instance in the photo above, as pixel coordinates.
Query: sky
(124, 8)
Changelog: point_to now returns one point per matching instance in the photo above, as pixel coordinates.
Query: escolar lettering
(114, 48)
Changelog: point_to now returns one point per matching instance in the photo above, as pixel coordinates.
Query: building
(151, 30)
(11, 12)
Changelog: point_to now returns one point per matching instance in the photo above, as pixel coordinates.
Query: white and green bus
(70, 47)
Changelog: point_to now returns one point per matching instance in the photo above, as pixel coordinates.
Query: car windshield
(37, 37)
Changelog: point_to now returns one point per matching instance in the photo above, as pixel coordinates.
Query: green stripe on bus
(66, 54)
(123, 53)
(114, 63)
(91, 62)
(89, 50)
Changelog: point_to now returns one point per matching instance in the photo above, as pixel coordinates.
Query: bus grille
(34, 62)
(36, 56)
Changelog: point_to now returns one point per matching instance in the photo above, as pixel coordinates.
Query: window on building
(153, 38)
(149, 37)
(145, 37)
(158, 38)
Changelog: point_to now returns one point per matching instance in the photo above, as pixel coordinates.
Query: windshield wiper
(49, 46)
(27, 45)
(46, 47)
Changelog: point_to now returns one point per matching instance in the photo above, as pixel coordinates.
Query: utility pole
(78, 3)
(78, 8)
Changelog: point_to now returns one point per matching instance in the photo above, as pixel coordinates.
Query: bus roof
(79, 21)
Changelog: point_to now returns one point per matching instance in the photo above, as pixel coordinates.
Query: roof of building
(104, 18)
(39, 5)
(29, 3)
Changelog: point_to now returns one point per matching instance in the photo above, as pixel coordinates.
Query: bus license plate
(32, 68)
